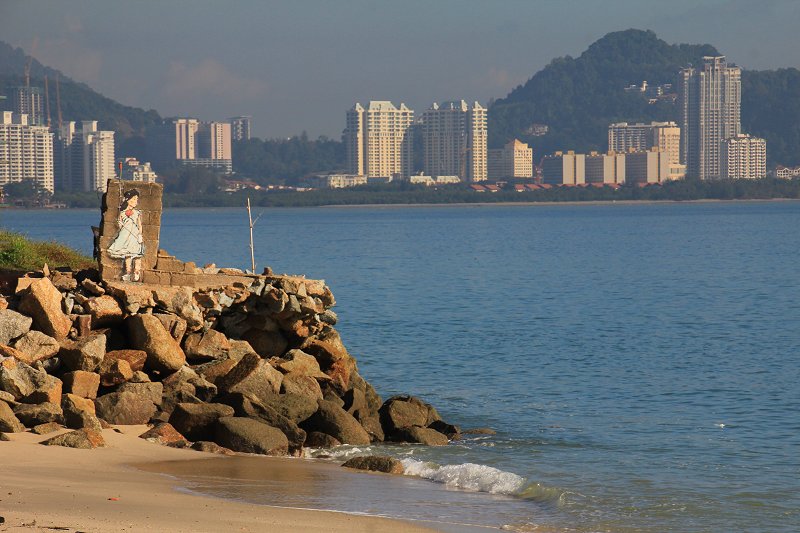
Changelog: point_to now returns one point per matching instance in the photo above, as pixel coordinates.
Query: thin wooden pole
(252, 250)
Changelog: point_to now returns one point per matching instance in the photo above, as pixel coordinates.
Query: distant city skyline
(298, 66)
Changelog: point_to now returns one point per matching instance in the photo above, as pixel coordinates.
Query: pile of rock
(254, 365)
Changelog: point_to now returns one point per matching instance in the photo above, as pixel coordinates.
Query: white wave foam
(467, 476)
(339, 453)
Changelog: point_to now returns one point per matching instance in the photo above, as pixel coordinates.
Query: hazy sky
(299, 65)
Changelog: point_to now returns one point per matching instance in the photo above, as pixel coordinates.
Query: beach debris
(375, 463)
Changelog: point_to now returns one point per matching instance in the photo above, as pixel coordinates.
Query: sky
(298, 65)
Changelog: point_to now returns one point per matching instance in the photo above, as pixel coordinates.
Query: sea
(639, 363)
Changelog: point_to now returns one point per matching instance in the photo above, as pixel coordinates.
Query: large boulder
(42, 413)
(247, 405)
(175, 325)
(27, 384)
(105, 311)
(299, 362)
(152, 391)
(317, 439)
(297, 383)
(266, 343)
(399, 412)
(335, 421)
(250, 436)
(195, 421)
(125, 408)
(420, 435)
(252, 375)
(9, 422)
(180, 301)
(215, 370)
(165, 434)
(82, 438)
(42, 302)
(135, 358)
(13, 325)
(36, 346)
(47, 389)
(114, 372)
(326, 347)
(375, 463)
(164, 354)
(206, 346)
(85, 354)
(79, 413)
(81, 383)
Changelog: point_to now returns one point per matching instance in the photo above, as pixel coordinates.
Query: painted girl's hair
(130, 193)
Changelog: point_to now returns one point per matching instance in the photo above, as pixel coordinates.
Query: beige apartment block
(605, 168)
(564, 168)
(133, 170)
(26, 152)
(651, 166)
(666, 136)
(514, 160)
(186, 137)
(240, 127)
(378, 140)
(455, 136)
(214, 140)
(744, 157)
(709, 101)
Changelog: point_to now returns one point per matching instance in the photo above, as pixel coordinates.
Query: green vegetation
(20, 253)
(281, 161)
(579, 97)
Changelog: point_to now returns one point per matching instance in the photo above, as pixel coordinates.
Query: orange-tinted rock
(81, 383)
(164, 354)
(164, 433)
(105, 311)
(42, 302)
(82, 438)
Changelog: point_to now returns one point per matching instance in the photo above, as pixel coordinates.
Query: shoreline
(109, 489)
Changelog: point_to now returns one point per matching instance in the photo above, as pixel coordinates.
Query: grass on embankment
(17, 252)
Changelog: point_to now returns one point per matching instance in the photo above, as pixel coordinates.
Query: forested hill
(78, 101)
(577, 98)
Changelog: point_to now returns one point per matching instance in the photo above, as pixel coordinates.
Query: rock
(211, 447)
(81, 383)
(164, 354)
(104, 310)
(186, 376)
(4, 437)
(302, 363)
(335, 421)
(83, 438)
(114, 372)
(8, 420)
(124, 408)
(79, 413)
(84, 354)
(196, 420)
(266, 343)
(180, 301)
(452, 432)
(8, 351)
(293, 406)
(175, 325)
(63, 281)
(215, 370)
(17, 378)
(355, 403)
(420, 435)
(34, 414)
(140, 377)
(400, 412)
(152, 391)
(297, 383)
(134, 297)
(247, 405)
(7, 397)
(44, 429)
(206, 346)
(250, 436)
(92, 288)
(239, 349)
(328, 317)
(252, 375)
(316, 439)
(479, 431)
(341, 371)
(164, 433)
(327, 347)
(135, 358)
(36, 346)
(372, 425)
(42, 302)
(13, 325)
(376, 463)
(47, 388)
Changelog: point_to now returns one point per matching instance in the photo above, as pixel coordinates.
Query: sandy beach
(102, 490)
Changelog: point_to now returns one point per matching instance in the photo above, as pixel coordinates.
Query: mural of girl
(128, 244)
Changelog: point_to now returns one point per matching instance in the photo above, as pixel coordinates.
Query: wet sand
(63, 489)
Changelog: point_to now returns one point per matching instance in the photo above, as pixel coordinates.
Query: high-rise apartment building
(84, 157)
(28, 101)
(744, 156)
(709, 99)
(665, 136)
(185, 137)
(651, 166)
(378, 140)
(514, 160)
(454, 137)
(564, 168)
(605, 168)
(133, 170)
(240, 127)
(26, 151)
(214, 140)
(191, 142)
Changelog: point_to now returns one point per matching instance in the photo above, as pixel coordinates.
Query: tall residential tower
(709, 99)
(455, 137)
(378, 140)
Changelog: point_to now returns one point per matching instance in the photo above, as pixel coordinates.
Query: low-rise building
(133, 170)
(605, 168)
(787, 173)
(744, 157)
(564, 168)
(514, 160)
(651, 166)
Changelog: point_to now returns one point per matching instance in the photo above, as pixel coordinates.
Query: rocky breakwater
(249, 363)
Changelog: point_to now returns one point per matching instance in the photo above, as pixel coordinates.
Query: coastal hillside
(78, 100)
(577, 98)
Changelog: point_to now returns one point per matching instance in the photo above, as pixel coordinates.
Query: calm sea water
(639, 362)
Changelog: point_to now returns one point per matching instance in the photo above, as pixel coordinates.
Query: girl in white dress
(128, 244)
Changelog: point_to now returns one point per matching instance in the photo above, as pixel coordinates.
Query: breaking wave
(467, 476)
